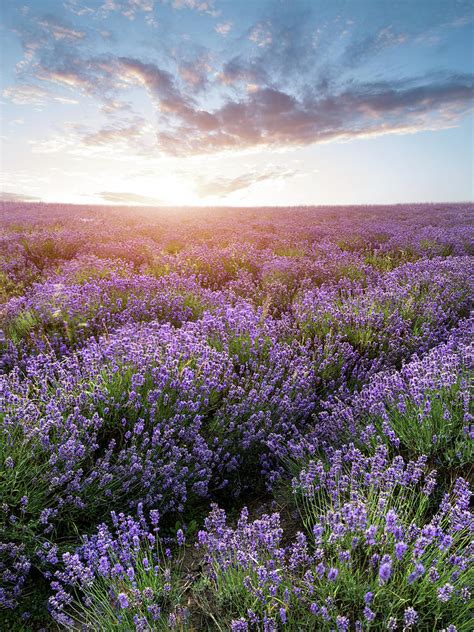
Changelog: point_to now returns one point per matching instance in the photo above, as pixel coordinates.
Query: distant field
(236, 419)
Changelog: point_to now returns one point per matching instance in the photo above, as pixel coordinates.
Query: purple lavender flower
(445, 592)
(151, 376)
(332, 574)
(123, 600)
(148, 593)
(400, 549)
(370, 535)
(342, 623)
(369, 615)
(385, 572)
(410, 616)
(180, 537)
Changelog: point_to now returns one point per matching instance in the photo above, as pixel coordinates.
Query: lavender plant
(121, 578)
(424, 408)
(374, 555)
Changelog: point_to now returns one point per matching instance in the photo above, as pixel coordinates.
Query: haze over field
(237, 102)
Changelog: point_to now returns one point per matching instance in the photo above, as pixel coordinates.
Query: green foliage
(387, 261)
(8, 288)
(21, 326)
(43, 251)
(157, 269)
(289, 251)
(173, 247)
(436, 428)
(195, 304)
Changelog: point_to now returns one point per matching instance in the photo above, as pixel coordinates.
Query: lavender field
(236, 419)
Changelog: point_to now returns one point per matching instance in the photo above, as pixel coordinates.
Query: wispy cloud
(111, 135)
(223, 28)
(195, 73)
(261, 35)
(24, 94)
(60, 31)
(201, 6)
(259, 115)
(121, 197)
(128, 8)
(369, 46)
(239, 69)
(8, 196)
(224, 186)
(77, 7)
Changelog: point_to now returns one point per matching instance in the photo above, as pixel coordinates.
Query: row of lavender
(153, 388)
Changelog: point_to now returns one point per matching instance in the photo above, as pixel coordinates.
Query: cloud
(224, 186)
(135, 137)
(111, 135)
(195, 74)
(285, 41)
(121, 197)
(223, 28)
(60, 31)
(261, 35)
(261, 115)
(111, 106)
(17, 197)
(271, 91)
(171, 102)
(239, 69)
(77, 8)
(159, 83)
(65, 77)
(128, 8)
(94, 76)
(368, 47)
(201, 6)
(24, 94)
(270, 117)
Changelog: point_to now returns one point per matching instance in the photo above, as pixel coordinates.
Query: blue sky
(237, 102)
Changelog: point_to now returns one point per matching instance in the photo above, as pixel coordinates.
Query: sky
(237, 102)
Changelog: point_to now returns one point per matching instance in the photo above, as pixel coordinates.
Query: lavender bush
(424, 408)
(374, 555)
(123, 578)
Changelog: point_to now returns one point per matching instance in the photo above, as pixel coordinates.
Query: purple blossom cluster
(153, 365)
(371, 553)
(406, 310)
(423, 408)
(58, 315)
(130, 566)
